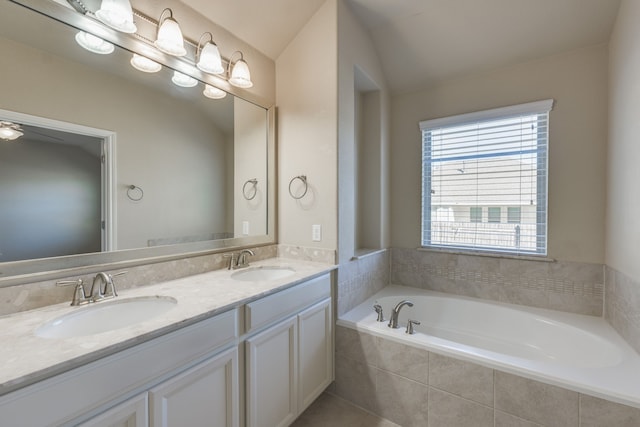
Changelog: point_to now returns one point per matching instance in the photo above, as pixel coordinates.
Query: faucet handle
(79, 295)
(112, 285)
(119, 273)
(232, 260)
(410, 324)
(378, 309)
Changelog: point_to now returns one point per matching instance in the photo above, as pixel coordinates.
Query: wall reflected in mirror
(65, 192)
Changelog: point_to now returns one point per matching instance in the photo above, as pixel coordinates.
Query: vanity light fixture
(94, 44)
(208, 56)
(169, 39)
(183, 80)
(117, 14)
(10, 131)
(144, 64)
(213, 92)
(239, 74)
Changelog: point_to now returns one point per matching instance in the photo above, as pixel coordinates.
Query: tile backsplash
(560, 285)
(29, 296)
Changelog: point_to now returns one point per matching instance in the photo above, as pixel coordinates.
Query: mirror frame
(35, 270)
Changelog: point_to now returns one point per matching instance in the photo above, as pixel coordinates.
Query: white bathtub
(581, 353)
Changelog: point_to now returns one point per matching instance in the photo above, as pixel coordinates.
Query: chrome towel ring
(302, 178)
(135, 193)
(253, 181)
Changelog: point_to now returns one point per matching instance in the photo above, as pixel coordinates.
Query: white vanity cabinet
(206, 395)
(259, 364)
(291, 362)
(94, 393)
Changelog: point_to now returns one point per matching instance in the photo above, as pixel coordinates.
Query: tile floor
(331, 411)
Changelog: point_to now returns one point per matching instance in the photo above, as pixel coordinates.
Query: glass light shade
(144, 64)
(10, 131)
(209, 60)
(240, 75)
(117, 14)
(213, 92)
(183, 80)
(94, 44)
(170, 40)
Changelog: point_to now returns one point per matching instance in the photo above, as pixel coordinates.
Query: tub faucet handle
(378, 309)
(410, 325)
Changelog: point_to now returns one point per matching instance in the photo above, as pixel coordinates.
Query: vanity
(167, 179)
(229, 353)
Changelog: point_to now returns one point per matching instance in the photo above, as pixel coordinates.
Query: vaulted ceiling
(421, 42)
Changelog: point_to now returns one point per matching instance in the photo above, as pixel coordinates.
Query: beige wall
(577, 143)
(357, 59)
(623, 173)
(307, 131)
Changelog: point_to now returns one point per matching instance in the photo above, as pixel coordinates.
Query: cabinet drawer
(269, 309)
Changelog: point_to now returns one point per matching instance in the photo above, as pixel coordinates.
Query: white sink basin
(106, 316)
(255, 274)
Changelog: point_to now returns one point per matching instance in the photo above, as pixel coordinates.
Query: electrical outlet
(245, 228)
(316, 232)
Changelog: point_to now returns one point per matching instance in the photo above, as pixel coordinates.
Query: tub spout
(393, 321)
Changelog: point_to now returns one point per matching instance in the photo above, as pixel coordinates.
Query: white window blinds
(478, 170)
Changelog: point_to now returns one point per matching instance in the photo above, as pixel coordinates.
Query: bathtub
(577, 352)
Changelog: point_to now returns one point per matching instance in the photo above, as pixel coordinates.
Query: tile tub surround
(622, 306)
(413, 387)
(14, 299)
(27, 358)
(558, 285)
(360, 278)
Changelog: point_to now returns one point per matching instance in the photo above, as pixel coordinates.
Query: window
(495, 158)
(514, 214)
(494, 214)
(475, 213)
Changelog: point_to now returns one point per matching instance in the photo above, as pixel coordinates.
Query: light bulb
(213, 92)
(144, 64)
(183, 80)
(169, 39)
(117, 14)
(94, 44)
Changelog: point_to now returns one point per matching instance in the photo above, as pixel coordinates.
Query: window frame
(531, 108)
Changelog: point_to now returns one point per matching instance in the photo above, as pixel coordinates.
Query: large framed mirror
(115, 165)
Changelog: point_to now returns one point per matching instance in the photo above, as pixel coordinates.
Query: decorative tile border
(622, 306)
(559, 285)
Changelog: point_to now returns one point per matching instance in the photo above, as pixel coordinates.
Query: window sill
(540, 258)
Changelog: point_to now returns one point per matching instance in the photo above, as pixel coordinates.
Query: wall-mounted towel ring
(302, 178)
(253, 181)
(135, 193)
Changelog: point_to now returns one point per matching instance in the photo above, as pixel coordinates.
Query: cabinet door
(315, 352)
(132, 413)
(206, 395)
(272, 376)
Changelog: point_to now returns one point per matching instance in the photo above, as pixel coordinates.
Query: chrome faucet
(241, 261)
(106, 287)
(393, 321)
(79, 295)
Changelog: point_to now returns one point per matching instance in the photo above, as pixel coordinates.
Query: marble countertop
(27, 358)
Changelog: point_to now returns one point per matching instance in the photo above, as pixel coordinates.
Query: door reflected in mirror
(93, 127)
